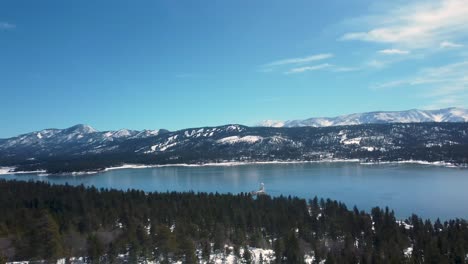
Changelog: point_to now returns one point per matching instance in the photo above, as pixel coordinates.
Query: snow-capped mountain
(70, 139)
(410, 116)
(81, 148)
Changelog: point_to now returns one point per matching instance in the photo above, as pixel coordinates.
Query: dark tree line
(39, 221)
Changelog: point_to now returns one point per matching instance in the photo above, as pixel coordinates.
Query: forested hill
(82, 148)
(43, 222)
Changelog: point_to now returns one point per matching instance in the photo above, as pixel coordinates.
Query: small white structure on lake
(260, 191)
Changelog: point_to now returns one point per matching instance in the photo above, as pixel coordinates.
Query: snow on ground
(234, 128)
(60, 261)
(408, 252)
(323, 122)
(189, 134)
(271, 123)
(403, 223)
(6, 170)
(351, 141)
(257, 254)
(420, 162)
(121, 133)
(118, 224)
(237, 139)
(9, 170)
(309, 259)
(148, 227)
(370, 149)
(267, 255)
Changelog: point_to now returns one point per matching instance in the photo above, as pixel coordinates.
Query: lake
(429, 191)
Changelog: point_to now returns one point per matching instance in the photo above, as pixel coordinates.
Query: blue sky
(177, 64)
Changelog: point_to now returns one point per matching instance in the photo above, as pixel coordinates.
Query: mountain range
(82, 148)
(410, 116)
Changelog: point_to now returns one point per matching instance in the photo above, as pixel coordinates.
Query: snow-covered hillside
(74, 134)
(410, 116)
(81, 148)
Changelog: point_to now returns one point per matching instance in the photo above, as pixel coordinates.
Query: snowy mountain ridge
(74, 134)
(83, 149)
(434, 136)
(452, 114)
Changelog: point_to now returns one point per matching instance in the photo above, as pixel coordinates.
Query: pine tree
(279, 250)
(95, 249)
(206, 250)
(112, 253)
(247, 256)
(188, 251)
(52, 246)
(293, 253)
(165, 241)
(219, 237)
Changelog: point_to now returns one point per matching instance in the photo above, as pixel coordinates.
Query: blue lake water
(428, 191)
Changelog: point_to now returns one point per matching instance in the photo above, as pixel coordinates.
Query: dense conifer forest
(39, 221)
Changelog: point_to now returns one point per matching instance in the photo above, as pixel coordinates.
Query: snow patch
(237, 139)
(403, 223)
(370, 149)
(408, 252)
(351, 141)
(6, 170)
(271, 123)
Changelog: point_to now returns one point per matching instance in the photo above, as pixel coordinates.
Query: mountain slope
(410, 116)
(78, 149)
(73, 140)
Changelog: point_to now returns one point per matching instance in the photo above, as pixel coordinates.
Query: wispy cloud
(7, 26)
(298, 65)
(394, 52)
(450, 45)
(345, 69)
(301, 60)
(454, 74)
(446, 85)
(308, 68)
(303, 64)
(421, 25)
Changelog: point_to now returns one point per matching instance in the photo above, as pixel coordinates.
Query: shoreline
(41, 173)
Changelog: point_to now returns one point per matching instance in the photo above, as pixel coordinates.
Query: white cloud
(424, 24)
(303, 64)
(448, 45)
(394, 52)
(308, 68)
(301, 60)
(345, 69)
(445, 85)
(454, 74)
(6, 26)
